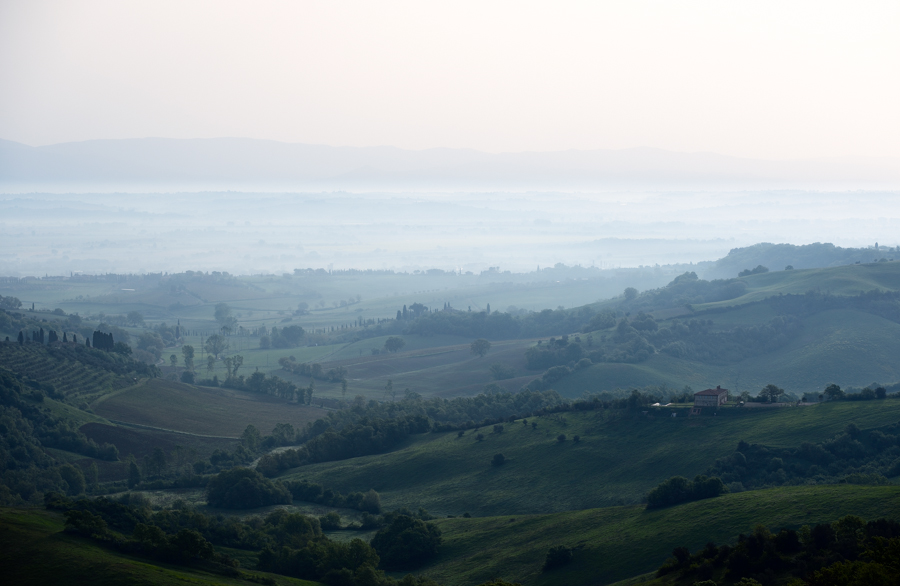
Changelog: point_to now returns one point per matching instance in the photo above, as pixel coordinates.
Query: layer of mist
(253, 233)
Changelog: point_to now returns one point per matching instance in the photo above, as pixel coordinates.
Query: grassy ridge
(618, 460)
(843, 280)
(34, 550)
(843, 346)
(619, 542)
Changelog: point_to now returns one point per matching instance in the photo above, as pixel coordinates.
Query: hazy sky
(767, 79)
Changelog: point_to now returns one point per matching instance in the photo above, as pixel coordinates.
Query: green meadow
(618, 459)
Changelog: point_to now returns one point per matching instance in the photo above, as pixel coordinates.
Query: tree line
(847, 551)
(288, 543)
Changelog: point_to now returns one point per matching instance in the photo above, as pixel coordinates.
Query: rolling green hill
(618, 460)
(847, 347)
(615, 543)
(844, 280)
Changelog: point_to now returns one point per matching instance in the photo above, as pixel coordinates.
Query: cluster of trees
(501, 326)
(287, 337)
(679, 489)
(10, 302)
(854, 456)
(367, 436)
(438, 413)
(243, 488)
(103, 341)
(313, 369)
(757, 271)
(834, 392)
(288, 543)
(806, 256)
(27, 470)
(311, 492)
(847, 551)
(685, 289)
(406, 543)
(555, 352)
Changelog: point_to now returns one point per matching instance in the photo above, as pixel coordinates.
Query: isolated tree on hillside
(771, 393)
(394, 344)
(173, 360)
(151, 342)
(834, 392)
(210, 363)
(10, 302)
(372, 502)
(630, 293)
(251, 438)
(480, 347)
(236, 361)
(188, 353)
(222, 313)
(134, 473)
(216, 344)
(135, 318)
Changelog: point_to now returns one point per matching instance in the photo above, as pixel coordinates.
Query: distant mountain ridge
(251, 162)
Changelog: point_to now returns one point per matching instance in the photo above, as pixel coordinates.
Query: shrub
(679, 489)
(498, 460)
(243, 488)
(558, 556)
(406, 543)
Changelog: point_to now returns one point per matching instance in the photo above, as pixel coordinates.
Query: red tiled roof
(718, 391)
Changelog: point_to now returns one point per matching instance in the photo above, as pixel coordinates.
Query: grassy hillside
(202, 410)
(618, 542)
(847, 347)
(845, 280)
(619, 459)
(34, 550)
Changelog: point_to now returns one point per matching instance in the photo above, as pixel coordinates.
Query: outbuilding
(711, 397)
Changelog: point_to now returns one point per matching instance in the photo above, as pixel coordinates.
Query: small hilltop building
(711, 397)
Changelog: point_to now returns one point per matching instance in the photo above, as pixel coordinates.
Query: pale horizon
(767, 81)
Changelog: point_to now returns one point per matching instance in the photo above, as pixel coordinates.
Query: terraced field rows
(78, 382)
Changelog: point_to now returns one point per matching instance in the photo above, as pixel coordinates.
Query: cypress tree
(134, 474)
(21, 338)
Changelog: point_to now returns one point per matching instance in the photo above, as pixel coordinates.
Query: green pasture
(619, 459)
(843, 346)
(842, 280)
(619, 542)
(35, 550)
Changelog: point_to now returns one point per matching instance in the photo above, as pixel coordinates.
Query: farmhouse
(711, 397)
